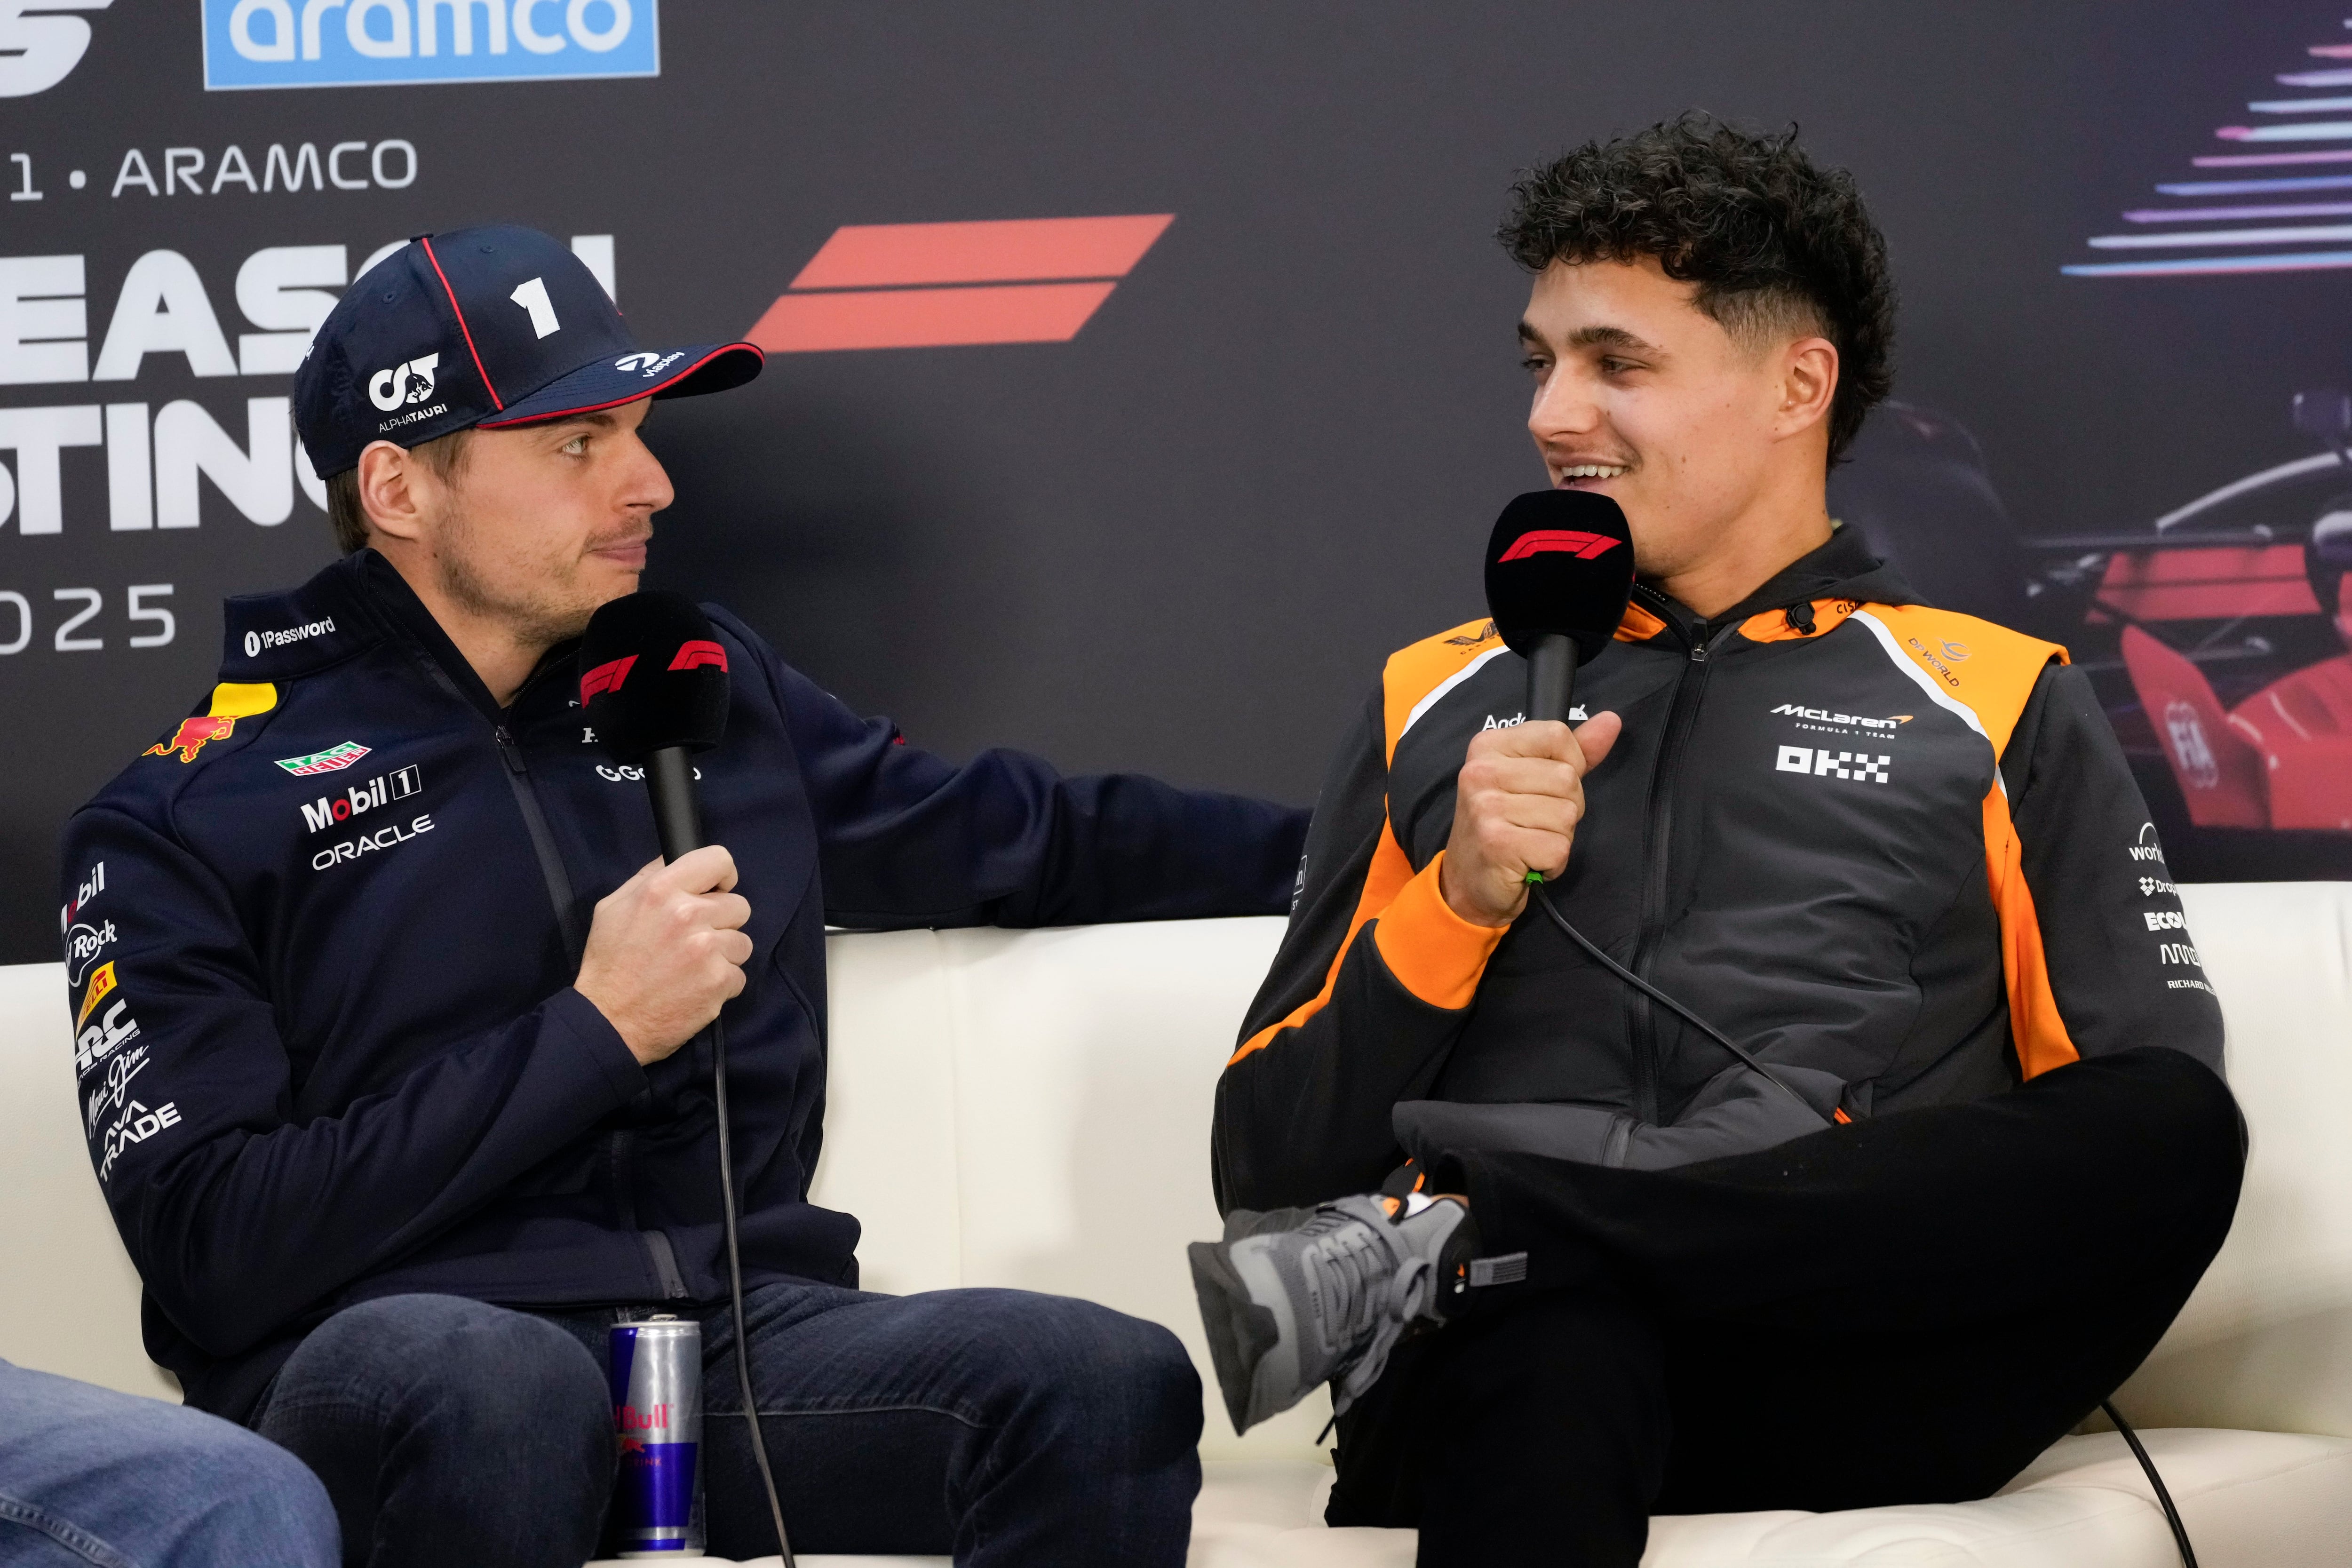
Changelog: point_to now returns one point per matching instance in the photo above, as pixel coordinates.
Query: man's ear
(393, 490)
(1809, 376)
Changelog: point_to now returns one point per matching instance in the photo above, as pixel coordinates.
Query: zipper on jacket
(1657, 833)
(542, 841)
(665, 1261)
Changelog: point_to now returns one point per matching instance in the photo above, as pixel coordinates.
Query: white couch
(1032, 1109)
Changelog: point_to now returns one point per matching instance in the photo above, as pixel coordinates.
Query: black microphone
(1559, 570)
(652, 682)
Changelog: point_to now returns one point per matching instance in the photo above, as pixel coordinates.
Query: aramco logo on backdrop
(373, 43)
(936, 285)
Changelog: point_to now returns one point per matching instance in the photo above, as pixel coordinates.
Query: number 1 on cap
(533, 297)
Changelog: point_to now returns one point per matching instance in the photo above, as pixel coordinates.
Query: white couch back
(1032, 1108)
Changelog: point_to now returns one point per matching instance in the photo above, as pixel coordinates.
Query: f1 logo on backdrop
(39, 50)
(940, 285)
(372, 43)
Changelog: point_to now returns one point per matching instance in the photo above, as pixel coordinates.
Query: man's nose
(646, 483)
(1563, 407)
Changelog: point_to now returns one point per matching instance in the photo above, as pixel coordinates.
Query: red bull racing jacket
(321, 941)
(1893, 850)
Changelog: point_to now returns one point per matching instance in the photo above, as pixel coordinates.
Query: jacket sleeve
(238, 1213)
(907, 838)
(1371, 986)
(2123, 967)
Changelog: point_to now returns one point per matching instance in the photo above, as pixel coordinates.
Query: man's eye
(1617, 366)
(577, 446)
(1534, 366)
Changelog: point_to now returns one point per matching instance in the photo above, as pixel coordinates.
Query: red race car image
(2219, 637)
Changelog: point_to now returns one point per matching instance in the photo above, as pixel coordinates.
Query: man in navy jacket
(390, 1019)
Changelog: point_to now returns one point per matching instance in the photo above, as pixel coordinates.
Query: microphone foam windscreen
(1559, 561)
(652, 675)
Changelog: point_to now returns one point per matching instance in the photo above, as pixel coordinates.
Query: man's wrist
(1450, 886)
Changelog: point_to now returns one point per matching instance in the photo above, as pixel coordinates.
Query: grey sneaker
(1301, 1297)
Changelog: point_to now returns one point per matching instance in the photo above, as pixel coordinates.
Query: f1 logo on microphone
(606, 677)
(1569, 541)
(690, 656)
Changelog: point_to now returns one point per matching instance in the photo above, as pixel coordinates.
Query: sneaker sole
(1241, 1330)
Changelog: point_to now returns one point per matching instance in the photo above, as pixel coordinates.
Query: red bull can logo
(190, 738)
(656, 1377)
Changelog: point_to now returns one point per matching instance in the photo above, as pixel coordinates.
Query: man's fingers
(707, 869)
(727, 911)
(1521, 775)
(1536, 738)
(1518, 849)
(1597, 736)
(1518, 814)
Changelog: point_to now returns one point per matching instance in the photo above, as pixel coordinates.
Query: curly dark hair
(1773, 241)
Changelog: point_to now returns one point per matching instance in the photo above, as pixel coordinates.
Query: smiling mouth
(1593, 470)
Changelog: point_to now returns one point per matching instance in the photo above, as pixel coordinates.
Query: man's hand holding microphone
(1517, 804)
(1559, 568)
(667, 950)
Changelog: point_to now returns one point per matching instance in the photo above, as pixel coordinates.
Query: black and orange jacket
(1894, 850)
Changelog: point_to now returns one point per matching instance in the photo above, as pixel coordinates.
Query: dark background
(1183, 542)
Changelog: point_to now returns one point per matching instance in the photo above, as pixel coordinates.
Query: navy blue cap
(493, 326)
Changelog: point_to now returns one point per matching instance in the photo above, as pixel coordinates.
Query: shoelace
(1349, 1267)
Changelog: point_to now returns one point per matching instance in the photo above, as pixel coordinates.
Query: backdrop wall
(1275, 409)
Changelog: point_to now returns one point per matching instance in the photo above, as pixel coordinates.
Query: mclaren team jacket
(321, 939)
(1894, 851)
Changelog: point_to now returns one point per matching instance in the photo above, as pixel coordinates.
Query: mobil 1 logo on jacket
(360, 807)
(357, 800)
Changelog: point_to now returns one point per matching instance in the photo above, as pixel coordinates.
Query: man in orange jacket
(1566, 1260)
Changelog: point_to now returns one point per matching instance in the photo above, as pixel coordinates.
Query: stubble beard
(540, 614)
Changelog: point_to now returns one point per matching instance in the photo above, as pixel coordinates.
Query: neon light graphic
(2269, 248)
(2318, 231)
(2221, 215)
(2318, 130)
(2265, 160)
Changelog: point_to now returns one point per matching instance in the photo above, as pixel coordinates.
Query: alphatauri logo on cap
(409, 383)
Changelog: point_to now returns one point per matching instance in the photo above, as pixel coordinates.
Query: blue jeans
(998, 1426)
(92, 1479)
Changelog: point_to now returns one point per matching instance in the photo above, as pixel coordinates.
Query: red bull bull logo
(190, 738)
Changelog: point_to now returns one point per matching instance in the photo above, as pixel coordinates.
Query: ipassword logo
(934, 285)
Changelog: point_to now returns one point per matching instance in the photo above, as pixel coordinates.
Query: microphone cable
(735, 1287)
(2163, 1497)
(1542, 892)
(1543, 896)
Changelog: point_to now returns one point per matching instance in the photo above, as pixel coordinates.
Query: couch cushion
(2266, 1340)
(2251, 1499)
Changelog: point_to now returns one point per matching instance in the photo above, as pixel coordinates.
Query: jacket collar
(353, 605)
(1840, 568)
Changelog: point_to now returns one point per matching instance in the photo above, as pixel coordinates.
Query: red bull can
(656, 1370)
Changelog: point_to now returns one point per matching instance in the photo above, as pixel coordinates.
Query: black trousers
(1905, 1310)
